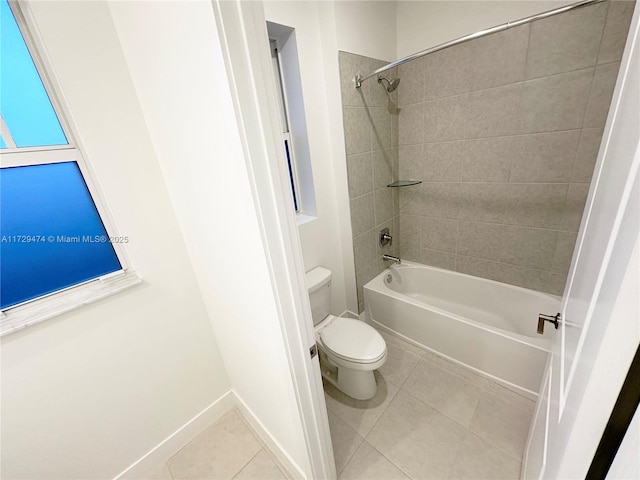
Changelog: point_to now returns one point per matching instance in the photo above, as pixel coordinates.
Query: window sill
(301, 219)
(23, 316)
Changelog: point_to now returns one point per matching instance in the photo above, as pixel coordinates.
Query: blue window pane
(24, 103)
(51, 234)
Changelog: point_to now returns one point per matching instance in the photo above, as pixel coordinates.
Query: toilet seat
(353, 341)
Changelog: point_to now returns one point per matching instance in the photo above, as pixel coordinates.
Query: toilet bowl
(350, 350)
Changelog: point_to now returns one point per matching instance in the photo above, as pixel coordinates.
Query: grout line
(247, 463)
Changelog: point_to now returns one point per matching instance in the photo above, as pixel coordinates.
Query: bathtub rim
(377, 285)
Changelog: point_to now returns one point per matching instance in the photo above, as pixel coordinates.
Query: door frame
(243, 36)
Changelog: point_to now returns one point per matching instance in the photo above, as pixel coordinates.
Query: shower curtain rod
(359, 78)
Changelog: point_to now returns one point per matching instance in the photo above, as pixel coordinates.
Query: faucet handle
(385, 238)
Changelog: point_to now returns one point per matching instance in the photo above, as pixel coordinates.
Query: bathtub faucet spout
(391, 258)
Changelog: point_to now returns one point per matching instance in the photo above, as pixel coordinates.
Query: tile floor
(430, 419)
(228, 449)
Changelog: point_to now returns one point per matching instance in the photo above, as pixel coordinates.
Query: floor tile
(398, 342)
(399, 365)
(369, 464)
(422, 442)
(503, 420)
(221, 451)
(479, 460)
(360, 415)
(449, 394)
(345, 441)
(162, 473)
(261, 467)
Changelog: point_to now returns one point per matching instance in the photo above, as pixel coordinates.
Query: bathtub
(487, 326)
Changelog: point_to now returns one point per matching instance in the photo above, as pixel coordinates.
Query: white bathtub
(487, 326)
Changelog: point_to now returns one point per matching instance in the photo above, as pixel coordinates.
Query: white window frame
(33, 311)
(286, 122)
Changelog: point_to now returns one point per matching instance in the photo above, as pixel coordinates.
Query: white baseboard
(348, 314)
(273, 445)
(154, 458)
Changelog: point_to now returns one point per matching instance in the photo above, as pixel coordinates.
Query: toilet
(350, 350)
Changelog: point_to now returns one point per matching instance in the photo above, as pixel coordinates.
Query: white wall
(87, 393)
(367, 28)
(176, 63)
(424, 24)
(325, 240)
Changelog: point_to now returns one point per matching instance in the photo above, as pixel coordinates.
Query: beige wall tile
(357, 130)
(557, 102)
(411, 162)
(383, 204)
(439, 234)
(382, 126)
(536, 205)
(480, 240)
(360, 174)
(445, 119)
(385, 167)
(556, 283)
(615, 32)
(412, 200)
(482, 202)
(528, 247)
(563, 252)
(494, 112)
(488, 159)
(604, 81)
(443, 162)
(437, 258)
(411, 89)
(520, 276)
(588, 149)
(545, 157)
(472, 266)
(362, 214)
(499, 59)
(411, 230)
(411, 124)
(364, 249)
(439, 200)
(350, 65)
(377, 94)
(448, 72)
(576, 199)
(566, 42)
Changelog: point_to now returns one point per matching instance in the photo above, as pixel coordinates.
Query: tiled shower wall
(504, 132)
(371, 135)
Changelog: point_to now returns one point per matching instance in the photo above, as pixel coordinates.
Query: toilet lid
(353, 340)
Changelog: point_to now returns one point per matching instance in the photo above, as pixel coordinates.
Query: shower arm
(360, 78)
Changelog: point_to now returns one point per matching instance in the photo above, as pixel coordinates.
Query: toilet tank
(319, 288)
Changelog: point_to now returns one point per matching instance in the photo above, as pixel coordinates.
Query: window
(286, 70)
(284, 122)
(56, 249)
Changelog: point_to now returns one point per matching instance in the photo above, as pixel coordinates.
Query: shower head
(391, 84)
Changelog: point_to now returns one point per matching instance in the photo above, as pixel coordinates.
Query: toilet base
(358, 384)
